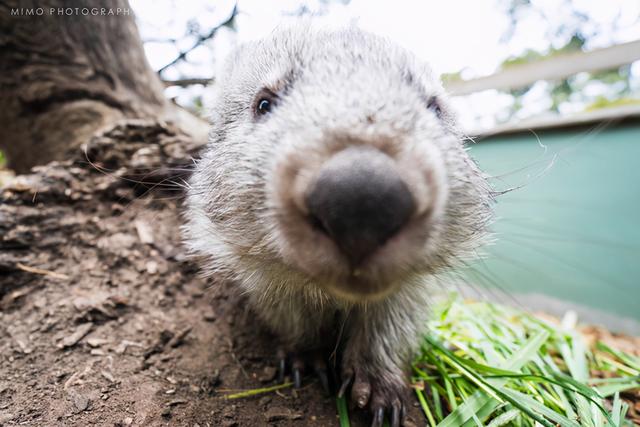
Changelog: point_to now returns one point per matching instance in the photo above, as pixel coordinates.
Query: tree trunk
(67, 71)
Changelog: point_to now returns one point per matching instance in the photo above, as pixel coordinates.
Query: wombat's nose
(360, 201)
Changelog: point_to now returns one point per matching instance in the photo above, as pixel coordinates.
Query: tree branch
(187, 82)
(201, 39)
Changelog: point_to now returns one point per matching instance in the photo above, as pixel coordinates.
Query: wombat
(335, 191)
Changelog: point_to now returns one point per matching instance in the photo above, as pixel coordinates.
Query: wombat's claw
(297, 366)
(297, 378)
(298, 363)
(397, 415)
(378, 417)
(361, 391)
(282, 366)
(380, 398)
(320, 368)
(346, 381)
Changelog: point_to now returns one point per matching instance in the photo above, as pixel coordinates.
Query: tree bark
(66, 74)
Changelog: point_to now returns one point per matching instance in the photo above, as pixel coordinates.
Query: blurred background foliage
(527, 31)
(186, 43)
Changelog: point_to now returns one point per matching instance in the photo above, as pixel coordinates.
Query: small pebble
(166, 412)
(80, 401)
(152, 267)
(268, 374)
(229, 411)
(277, 413)
(264, 401)
(96, 342)
(108, 375)
(73, 339)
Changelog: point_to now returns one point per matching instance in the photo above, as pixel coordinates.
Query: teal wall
(573, 230)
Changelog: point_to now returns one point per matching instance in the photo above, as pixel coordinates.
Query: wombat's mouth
(358, 289)
(377, 276)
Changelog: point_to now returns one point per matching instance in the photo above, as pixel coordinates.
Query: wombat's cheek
(299, 245)
(423, 167)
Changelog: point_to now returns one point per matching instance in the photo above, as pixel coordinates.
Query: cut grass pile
(489, 365)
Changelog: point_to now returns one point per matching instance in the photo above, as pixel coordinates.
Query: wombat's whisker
(553, 236)
(485, 278)
(567, 262)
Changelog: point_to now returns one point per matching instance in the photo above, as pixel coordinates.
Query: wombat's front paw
(384, 391)
(298, 362)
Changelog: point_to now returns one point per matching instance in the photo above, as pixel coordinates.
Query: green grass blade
(425, 407)
(631, 361)
(529, 405)
(256, 391)
(343, 412)
(504, 418)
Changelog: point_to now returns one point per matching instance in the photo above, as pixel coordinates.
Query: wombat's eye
(264, 106)
(433, 104)
(265, 101)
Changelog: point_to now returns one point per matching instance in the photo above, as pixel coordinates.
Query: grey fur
(245, 220)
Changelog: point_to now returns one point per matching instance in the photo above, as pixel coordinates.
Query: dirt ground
(104, 322)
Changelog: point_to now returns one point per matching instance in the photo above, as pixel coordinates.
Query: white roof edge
(612, 114)
(552, 68)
